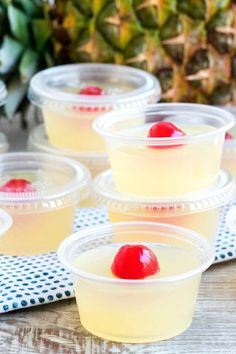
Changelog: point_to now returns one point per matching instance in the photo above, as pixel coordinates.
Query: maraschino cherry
(92, 91)
(164, 130)
(17, 185)
(228, 136)
(134, 262)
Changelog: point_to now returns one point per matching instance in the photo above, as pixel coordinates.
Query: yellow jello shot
(95, 162)
(5, 222)
(165, 149)
(147, 297)
(41, 193)
(72, 96)
(198, 211)
(229, 154)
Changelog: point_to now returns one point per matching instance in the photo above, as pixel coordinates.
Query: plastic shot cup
(72, 96)
(41, 193)
(229, 156)
(95, 162)
(5, 223)
(160, 166)
(198, 211)
(155, 308)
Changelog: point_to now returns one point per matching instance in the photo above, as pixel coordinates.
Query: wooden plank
(56, 328)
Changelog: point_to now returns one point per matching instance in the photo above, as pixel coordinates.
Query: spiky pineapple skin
(189, 45)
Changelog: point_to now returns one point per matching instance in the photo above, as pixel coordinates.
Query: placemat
(41, 279)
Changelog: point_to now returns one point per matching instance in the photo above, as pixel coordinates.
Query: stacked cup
(137, 278)
(166, 165)
(72, 96)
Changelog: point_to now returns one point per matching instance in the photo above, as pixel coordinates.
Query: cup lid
(3, 93)
(3, 143)
(55, 178)
(5, 222)
(124, 86)
(38, 141)
(115, 125)
(104, 193)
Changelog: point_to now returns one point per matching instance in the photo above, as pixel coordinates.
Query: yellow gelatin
(42, 215)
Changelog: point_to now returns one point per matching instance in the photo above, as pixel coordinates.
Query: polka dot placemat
(36, 280)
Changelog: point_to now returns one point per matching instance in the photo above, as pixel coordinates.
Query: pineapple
(24, 34)
(189, 45)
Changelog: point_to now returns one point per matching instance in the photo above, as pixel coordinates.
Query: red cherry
(17, 186)
(164, 130)
(134, 262)
(92, 91)
(228, 136)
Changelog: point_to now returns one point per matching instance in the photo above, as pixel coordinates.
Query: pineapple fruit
(190, 45)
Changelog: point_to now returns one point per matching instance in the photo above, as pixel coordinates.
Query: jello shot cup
(155, 307)
(72, 96)
(41, 193)
(229, 156)
(165, 149)
(95, 162)
(199, 211)
(5, 222)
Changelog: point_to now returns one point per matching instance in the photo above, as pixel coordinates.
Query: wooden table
(56, 328)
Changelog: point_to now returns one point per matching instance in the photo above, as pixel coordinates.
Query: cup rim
(3, 93)
(7, 221)
(39, 91)
(79, 183)
(100, 124)
(84, 236)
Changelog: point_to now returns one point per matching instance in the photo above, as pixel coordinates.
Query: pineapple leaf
(16, 93)
(28, 65)
(42, 32)
(10, 52)
(31, 8)
(19, 24)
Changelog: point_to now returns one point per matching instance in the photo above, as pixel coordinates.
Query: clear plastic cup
(68, 115)
(165, 166)
(3, 93)
(42, 216)
(198, 211)
(5, 222)
(95, 162)
(229, 156)
(136, 311)
(3, 143)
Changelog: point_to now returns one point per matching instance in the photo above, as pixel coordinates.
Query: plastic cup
(5, 222)
(95, 162)
(3, 93)
(229, 156)
(198, 211)
(43, 216)
(137, 311)
(165, 166)
(3, 143)
(68, 115)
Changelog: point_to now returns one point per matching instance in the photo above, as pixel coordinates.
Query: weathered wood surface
(56, 329)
